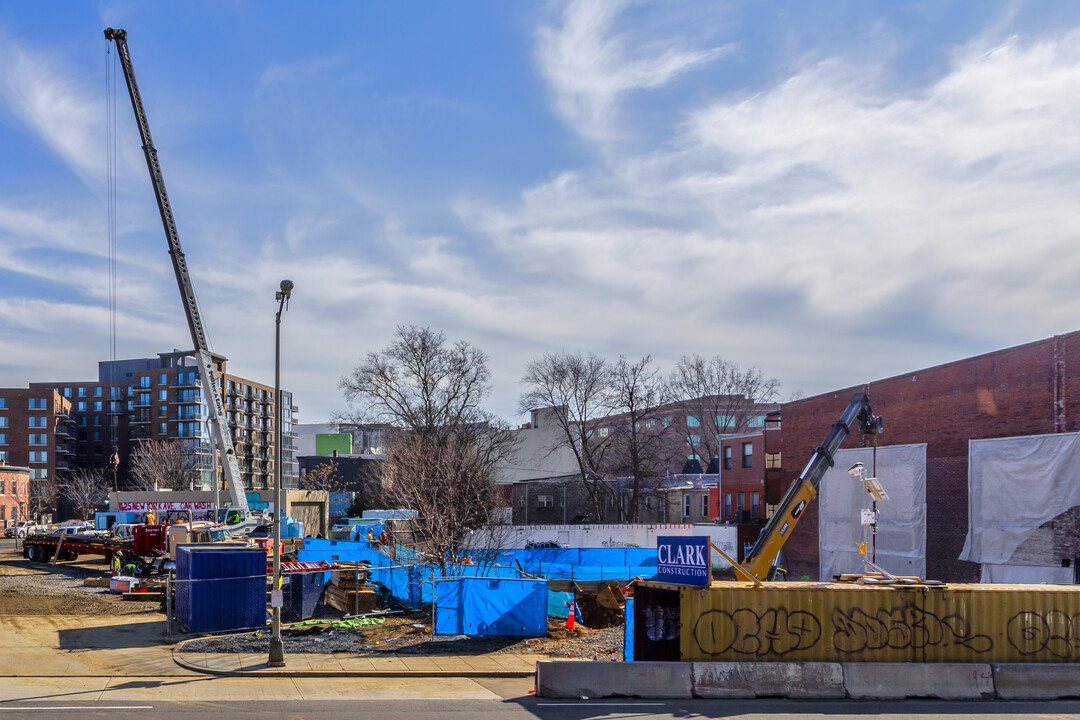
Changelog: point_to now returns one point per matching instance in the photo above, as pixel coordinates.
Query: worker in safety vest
(151, 519)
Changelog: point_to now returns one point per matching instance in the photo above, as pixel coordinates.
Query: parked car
(19, 529)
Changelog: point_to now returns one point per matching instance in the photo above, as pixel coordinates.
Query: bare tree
(162, 464)
(641, 436)
(721, 398)
(324, 476)
(442, 448)
(85, 489)
(42, 496)
(579, 387)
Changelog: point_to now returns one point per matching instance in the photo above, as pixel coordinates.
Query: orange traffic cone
(570, 617)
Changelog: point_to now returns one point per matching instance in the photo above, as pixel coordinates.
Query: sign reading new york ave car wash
(683, 560)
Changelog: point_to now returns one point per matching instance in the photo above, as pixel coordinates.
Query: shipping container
(844, 622)
(220, 587)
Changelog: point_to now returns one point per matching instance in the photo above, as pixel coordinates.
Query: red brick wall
(1002, 394)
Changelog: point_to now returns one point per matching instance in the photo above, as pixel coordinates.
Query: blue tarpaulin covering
(628, 632)
(491, 606)
(559, 604)
(577, 563)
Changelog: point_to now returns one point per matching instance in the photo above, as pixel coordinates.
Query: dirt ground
(28, 589)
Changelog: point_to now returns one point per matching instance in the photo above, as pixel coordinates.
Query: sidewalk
(348, 665)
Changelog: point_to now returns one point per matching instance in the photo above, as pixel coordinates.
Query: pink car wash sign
(162, 506)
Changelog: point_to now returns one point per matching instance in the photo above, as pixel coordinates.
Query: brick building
(1021, 391)
(14, 493)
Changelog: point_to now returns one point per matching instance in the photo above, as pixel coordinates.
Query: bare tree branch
(161, 465)
(85, 489)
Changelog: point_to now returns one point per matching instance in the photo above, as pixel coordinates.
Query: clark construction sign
(683, 560)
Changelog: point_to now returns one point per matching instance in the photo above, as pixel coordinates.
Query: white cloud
(39, 89)
(590, 66)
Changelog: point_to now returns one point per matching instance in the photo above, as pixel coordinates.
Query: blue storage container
(220, 588)
(303, 594)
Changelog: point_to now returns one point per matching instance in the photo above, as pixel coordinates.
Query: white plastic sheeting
(1026, 574)
(1014, 486)
(901, 532)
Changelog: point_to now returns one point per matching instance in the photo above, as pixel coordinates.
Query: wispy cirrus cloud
(590, 64)
(41, 90)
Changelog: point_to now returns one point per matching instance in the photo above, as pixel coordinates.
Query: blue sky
(834, 191)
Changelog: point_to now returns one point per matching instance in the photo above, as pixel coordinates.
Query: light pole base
(277, 654)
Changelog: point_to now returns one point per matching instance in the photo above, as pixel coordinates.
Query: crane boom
(759, 561)
(183, 280)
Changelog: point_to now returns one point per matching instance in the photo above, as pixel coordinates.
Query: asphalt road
(431, 708)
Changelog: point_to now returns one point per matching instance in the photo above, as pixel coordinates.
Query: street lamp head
(286, 287)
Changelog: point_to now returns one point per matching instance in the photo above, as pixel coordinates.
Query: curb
(178, 658)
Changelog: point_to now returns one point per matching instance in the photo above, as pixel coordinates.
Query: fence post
(168, 605)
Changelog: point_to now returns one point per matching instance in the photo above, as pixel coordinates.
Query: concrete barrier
(1036, 681)
(946, 681)
(613, 679)
(881, 681)
(748, 680)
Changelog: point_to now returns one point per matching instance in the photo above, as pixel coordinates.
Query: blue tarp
(485, 606)
(628, 631)
(559, 604)
(577, 563)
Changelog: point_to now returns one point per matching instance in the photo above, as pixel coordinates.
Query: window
(3, 439)
(727, 506)
(667, 421)
(97, 421)
(3, 484)
(3, 422)
(747, 454)
(727, 457)
(740, 504)
(38, 473)
(3, 403)
(97, 436)
(163, 410)
(39, 456)
(144, 381)
(38, 439)
(755, 499)
(163, 428)
(163, 395)
(603, 432)
(4, 455)
(648, 503)
(772, 461)
(756, 421)
(545, 501)
(705, 505)
(163, 379)
(693, 440)
(82, 406)
(36, 403)
(37, 422)
(650, 424)
(686, 506)
(82, 392)
(725, 422)
(67, 392)
(692, 421)
(97, 392)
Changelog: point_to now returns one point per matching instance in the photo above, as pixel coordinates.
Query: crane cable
(110, 159)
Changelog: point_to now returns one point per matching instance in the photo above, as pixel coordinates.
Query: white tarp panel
(901, 533)
(1026, 574)
(1014, 486)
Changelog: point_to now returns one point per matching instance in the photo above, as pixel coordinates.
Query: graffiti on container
(661, 623)
(902, 627)
(775, 631)
(1054, 631)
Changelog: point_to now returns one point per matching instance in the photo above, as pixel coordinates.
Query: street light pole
(277, 650)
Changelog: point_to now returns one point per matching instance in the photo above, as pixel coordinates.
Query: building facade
(14, 494)
(54, 428)
(1029, 390)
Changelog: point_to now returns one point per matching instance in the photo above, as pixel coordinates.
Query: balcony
(186, 383)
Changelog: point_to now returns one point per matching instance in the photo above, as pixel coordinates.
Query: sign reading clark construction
(160, 506)
(683, 560)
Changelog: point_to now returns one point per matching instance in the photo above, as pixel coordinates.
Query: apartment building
(53, 428)
(14, 494)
